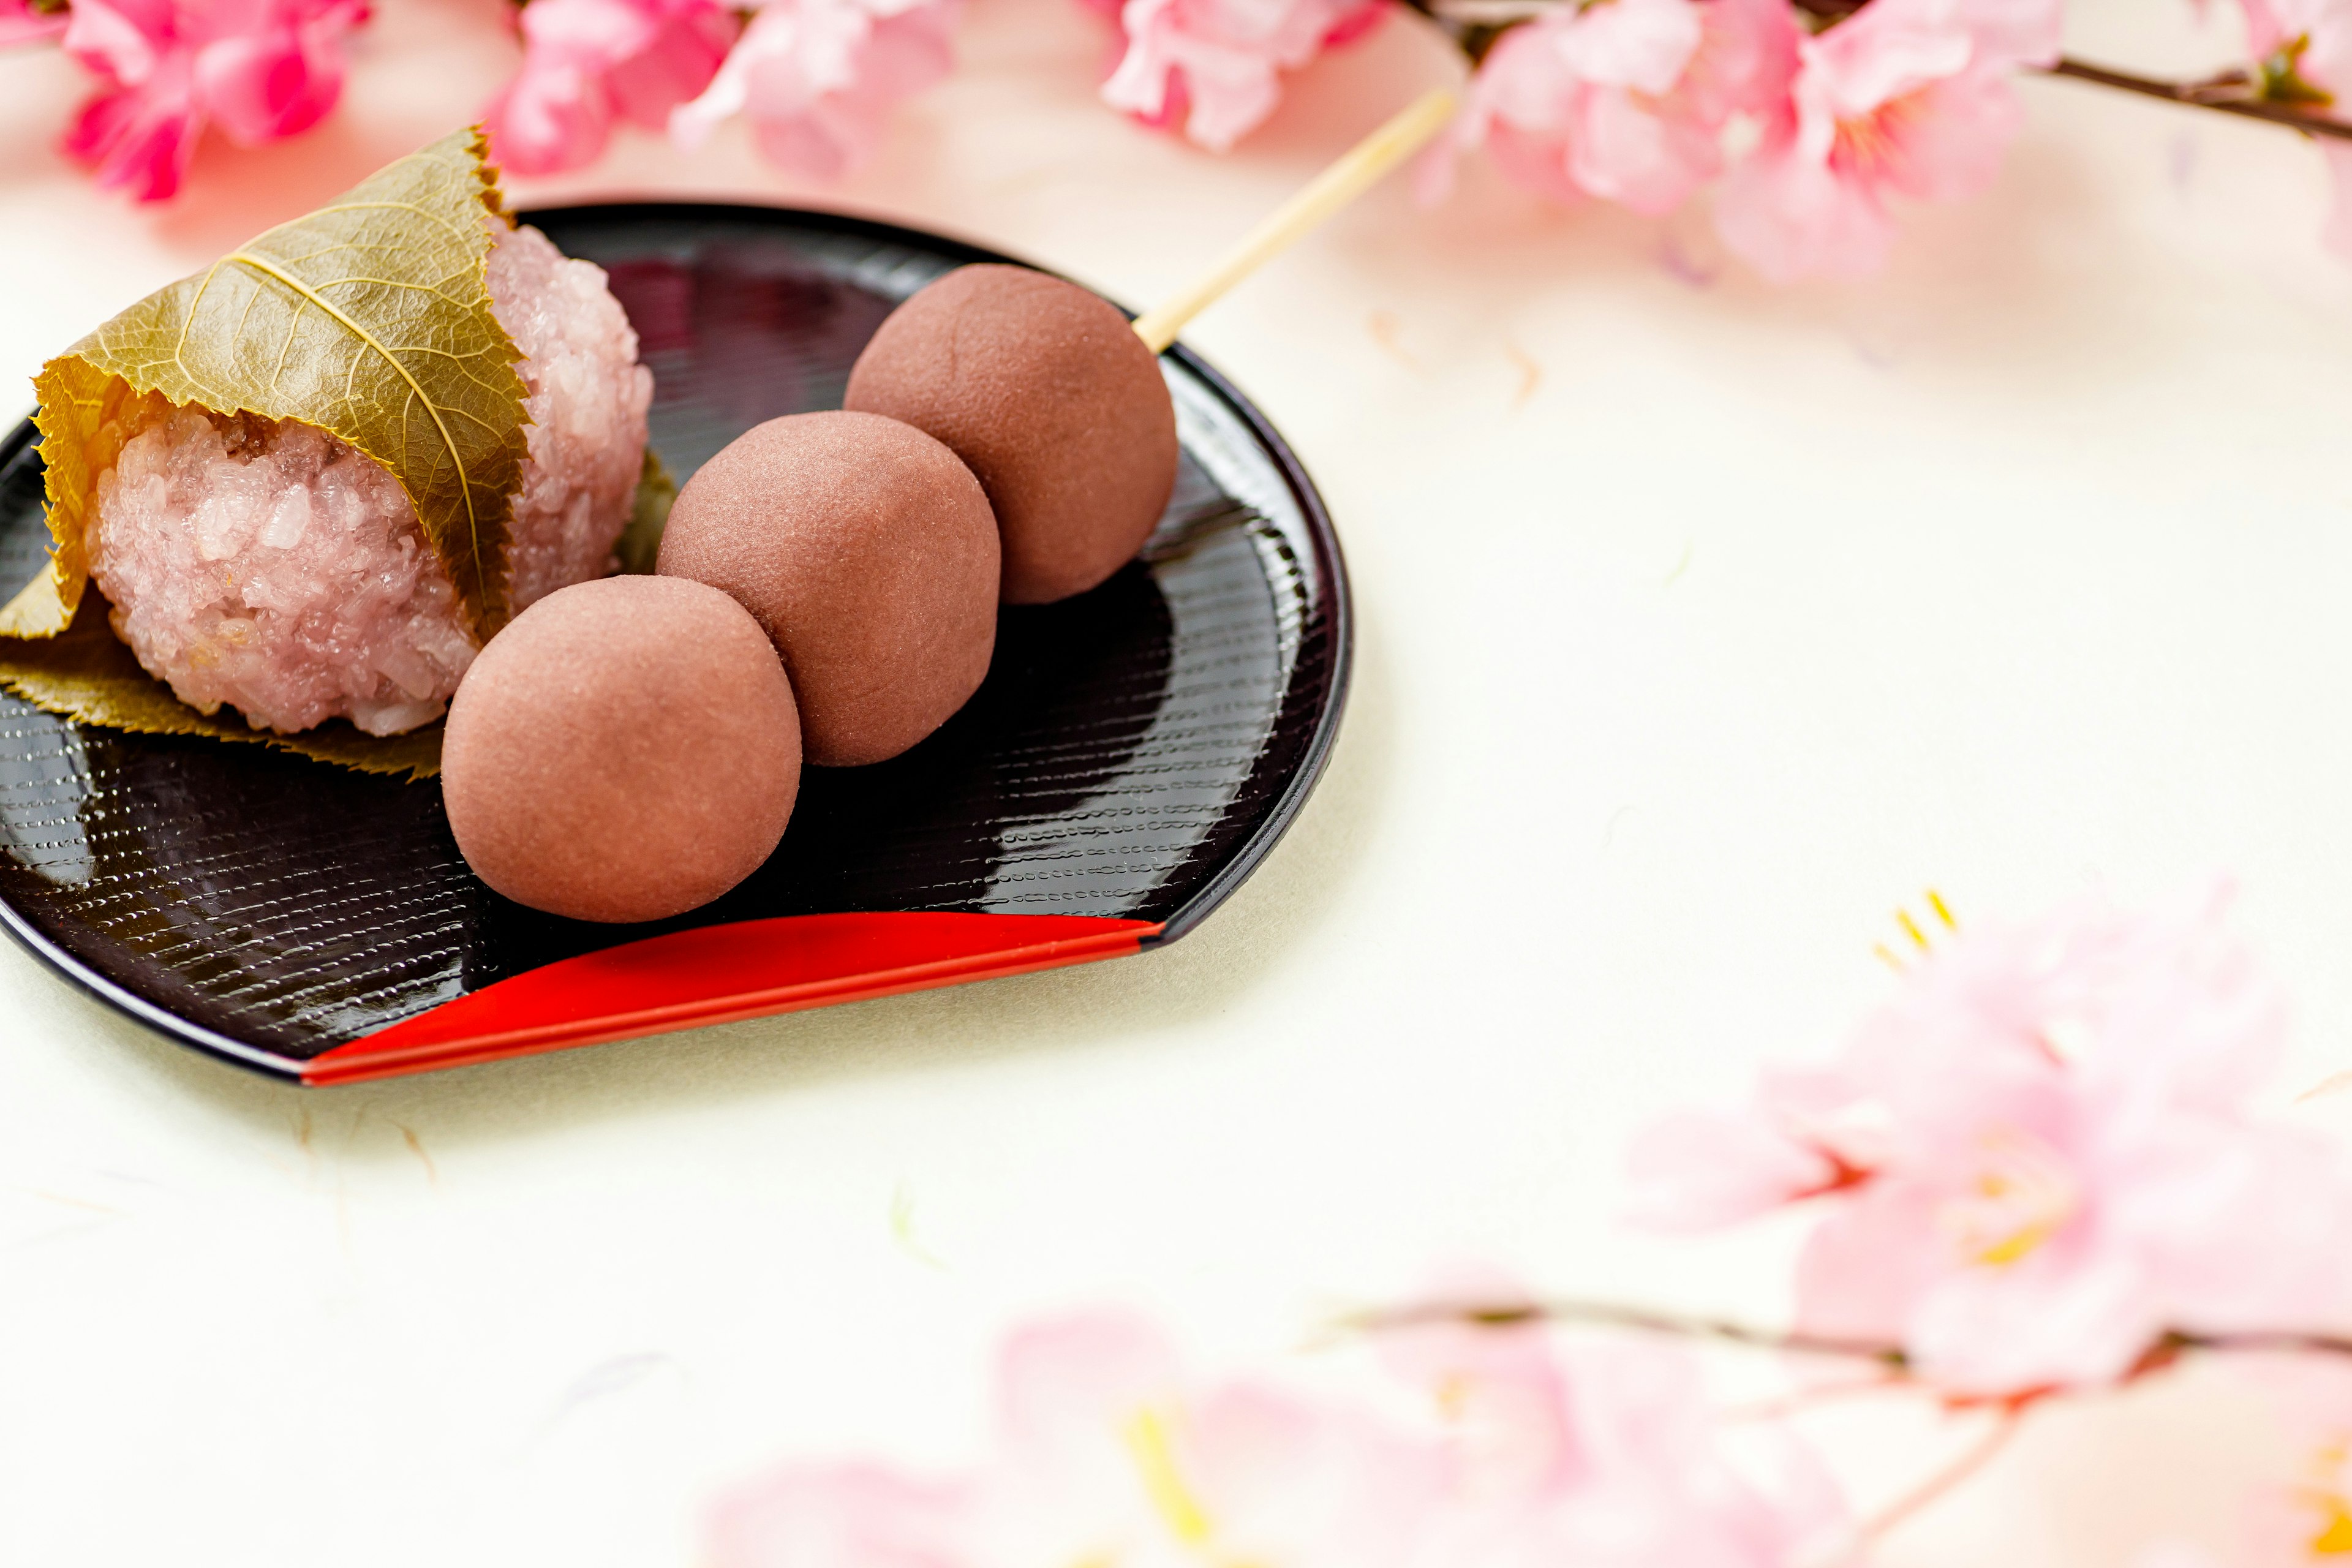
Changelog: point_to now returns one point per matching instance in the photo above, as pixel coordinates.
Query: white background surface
(1702, 624)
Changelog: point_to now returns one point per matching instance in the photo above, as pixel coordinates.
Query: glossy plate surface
(1133, 754)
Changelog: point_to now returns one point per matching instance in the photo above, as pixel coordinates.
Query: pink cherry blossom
(586, 62)
(1108, 1451)
(21, 23)
(1215, 65)
(1606, 1451)
(1627, 100)
(2310, 41)
(1907, 97)
(818, 78)
(261, 69)
(2040, 1157)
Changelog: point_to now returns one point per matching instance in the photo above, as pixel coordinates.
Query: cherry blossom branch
(1475, 24)
(2233, 93)
(2168, 1348)
(1615, 1315)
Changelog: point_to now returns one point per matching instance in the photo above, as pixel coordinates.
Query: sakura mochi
(265, 564)
(1047, 395)
(624, 750)
(867, 551)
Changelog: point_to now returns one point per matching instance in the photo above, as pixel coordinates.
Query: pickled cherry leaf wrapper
(88, 674)
(369, 319)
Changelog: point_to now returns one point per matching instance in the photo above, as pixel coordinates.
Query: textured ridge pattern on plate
(1132, 754)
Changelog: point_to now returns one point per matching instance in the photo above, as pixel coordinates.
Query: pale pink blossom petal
(1700, 1170)
(1905, 98)
(2046, 1158)
(1625, 99)
(818, 78)
(842, 1516)
(1217, 65)
(1605, 1451)
(555, 115)
(1108, 1450)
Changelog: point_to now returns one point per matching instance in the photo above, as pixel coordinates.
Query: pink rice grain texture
(265, 564)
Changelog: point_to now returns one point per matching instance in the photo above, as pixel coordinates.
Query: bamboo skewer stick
(1357, 170)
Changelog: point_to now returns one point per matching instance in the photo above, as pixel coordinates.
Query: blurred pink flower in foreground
(819, 77)
(1606, 1452)
(261, 69)
(2310, 41)
(586, 61)
(20, 23)
(2038, 1159)
(1107, 1452)
(1626, 100)
(1905, 98)
(1216, 65)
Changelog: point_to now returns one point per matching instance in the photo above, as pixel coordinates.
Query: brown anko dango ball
(1046, 393)
(624, 750)
(867, 551)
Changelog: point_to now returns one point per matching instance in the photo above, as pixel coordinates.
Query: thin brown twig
(2166, 1349)
(2204, 95)
(1610, 1314)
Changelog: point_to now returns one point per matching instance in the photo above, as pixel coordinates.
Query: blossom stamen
(2021, 1197)
(1154, 1453)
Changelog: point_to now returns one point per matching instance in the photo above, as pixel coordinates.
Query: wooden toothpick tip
(1355, 172)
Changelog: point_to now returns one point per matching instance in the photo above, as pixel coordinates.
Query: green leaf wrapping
(369, 319)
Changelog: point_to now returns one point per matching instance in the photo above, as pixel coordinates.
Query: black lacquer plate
(1134, 753)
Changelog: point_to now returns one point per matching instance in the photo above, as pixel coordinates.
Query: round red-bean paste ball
(868, 552)
(623, 750)
(1046, 393)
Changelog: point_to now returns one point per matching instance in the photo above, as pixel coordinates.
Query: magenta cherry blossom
(260, 69)
(21, 23)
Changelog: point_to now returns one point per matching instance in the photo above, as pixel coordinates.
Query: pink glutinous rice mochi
(265, 564)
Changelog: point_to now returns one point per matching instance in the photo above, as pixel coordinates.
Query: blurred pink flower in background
(2310, 41)
(1215, 65)
(261, 69)
(1905, 98)
(1606, 1451)
(1107, 1452)
(2039, 1158)
(586, 61)
(21, 24)
(1626, 100)
(818, 78)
